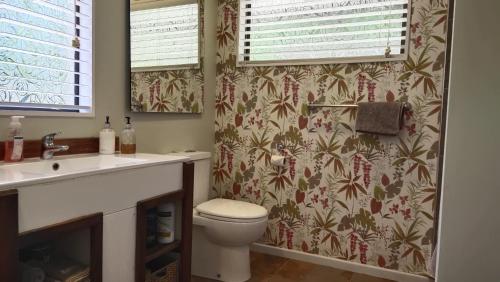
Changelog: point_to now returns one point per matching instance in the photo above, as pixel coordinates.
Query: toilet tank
(202, 168)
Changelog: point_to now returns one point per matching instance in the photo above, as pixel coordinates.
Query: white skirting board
(339, 264)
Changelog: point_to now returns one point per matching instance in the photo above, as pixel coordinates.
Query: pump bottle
(15, 141)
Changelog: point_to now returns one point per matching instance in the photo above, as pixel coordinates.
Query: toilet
(222, 229)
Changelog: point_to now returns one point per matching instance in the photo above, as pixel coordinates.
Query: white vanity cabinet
(54, 202)
(119, 246)
(105, 199)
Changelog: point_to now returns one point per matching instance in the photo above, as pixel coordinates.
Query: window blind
(164, 37)
(273, 31)
(46, 55)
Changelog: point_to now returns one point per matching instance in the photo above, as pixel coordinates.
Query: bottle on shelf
(107, 139)
(166, 223)
(127, 141)
(15, 141)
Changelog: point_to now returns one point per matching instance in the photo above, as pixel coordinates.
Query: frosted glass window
(301, 31)
(164, 37)
(46, 55)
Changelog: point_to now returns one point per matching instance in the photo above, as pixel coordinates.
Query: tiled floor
(266, 268)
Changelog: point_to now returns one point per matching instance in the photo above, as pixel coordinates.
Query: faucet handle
(49, 138)
(53, 134)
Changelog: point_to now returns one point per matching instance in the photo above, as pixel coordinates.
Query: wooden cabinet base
(8, 236)
(11, 242)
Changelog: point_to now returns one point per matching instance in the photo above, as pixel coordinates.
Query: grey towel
(384, 118)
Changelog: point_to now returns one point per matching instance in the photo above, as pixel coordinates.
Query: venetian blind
(274, 31)
(46, 55)
(164, 37)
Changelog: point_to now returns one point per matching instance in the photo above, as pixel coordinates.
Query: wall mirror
(166, 58)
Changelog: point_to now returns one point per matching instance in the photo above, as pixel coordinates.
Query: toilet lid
(224, 208)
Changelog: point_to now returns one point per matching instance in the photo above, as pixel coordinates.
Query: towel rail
(333, 106)
(406, 106)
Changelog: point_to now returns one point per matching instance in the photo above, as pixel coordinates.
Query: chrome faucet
(49, 148)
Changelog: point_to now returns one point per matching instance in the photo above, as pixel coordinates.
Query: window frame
(48, 112)
(324, 61)
(170, 67)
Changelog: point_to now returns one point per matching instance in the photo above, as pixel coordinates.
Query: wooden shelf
(165, 198)
(159, 250)
(58, 231)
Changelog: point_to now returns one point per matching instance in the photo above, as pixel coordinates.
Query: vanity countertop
(41, 171)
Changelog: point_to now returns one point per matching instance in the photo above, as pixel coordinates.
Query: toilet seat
(234, 220)
(232, 211)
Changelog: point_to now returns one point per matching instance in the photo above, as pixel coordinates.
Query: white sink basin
(36, 171)
(65, 166)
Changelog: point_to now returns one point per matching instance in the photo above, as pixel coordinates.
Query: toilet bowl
(223, 229)
(221, 242)
(231, 223)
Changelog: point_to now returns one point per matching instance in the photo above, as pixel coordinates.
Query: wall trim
(339, 264)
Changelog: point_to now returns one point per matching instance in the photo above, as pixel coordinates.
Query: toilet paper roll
(278, 161)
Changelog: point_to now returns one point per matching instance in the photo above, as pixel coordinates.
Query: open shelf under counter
(12, 242)
(93, 223)
(182, 245)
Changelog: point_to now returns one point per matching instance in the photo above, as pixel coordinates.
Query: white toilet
(222, 229)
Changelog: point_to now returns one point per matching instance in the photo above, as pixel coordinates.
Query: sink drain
(55, 166)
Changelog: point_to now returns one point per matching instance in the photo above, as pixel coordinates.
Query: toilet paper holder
(280, 148)
(281, 158)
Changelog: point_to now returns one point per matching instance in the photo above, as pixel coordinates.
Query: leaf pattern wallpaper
(173, 91)
(357, 197)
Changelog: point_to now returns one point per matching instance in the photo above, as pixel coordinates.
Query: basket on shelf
(164, 269)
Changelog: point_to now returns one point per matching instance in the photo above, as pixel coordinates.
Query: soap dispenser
(128, 139)
(107, 139)
(15, 141)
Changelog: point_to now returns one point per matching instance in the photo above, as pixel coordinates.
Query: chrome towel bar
(406, 106)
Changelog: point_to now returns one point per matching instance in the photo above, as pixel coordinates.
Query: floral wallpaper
(177, 91)
(362, 198)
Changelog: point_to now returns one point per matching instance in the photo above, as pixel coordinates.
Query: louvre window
(164, 37)
(46, 56)
(305, 31)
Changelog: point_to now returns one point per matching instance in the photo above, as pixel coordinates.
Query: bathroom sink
(72, 166)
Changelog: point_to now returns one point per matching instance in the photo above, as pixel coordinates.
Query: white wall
(470, 221)
(156, 133)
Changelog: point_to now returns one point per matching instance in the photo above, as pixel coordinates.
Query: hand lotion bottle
(14, 143)
(127, 141)
(107, 139)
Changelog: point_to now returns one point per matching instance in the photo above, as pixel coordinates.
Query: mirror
(166, 60)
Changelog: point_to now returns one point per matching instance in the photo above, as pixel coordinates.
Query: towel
(384, 118)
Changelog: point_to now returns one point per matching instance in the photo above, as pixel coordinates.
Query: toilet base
(209, 260)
